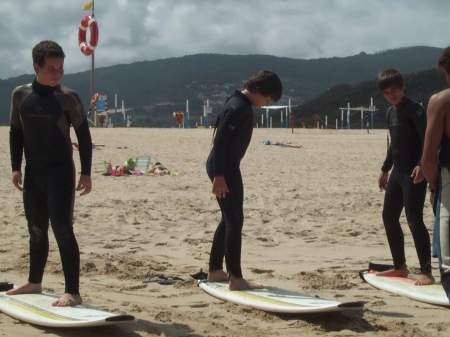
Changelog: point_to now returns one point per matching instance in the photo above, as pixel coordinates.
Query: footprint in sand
(262, 271)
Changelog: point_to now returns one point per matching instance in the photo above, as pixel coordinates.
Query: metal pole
(92, 108)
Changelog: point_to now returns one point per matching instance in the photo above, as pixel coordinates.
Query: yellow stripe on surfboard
(262, 299)
(38, 311)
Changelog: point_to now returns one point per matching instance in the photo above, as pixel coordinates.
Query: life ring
(95, 98)
(88, 22)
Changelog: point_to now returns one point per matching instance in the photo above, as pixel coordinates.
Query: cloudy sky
(139, 30)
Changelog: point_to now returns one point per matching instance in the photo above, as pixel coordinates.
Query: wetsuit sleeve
(224, 132)
(420, 121)
(16, 147)
(15, 133)
(85, 147)
(388, 161)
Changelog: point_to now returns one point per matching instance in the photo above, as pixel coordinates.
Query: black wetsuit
(407, 125)
(234, 128)
(40, 127)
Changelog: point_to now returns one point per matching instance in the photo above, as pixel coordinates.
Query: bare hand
(220, 188)
(432, 194)
(417, 175)
(17, 180)
(382, 180)
(84, 184)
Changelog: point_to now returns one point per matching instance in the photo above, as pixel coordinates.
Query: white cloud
(138, 30)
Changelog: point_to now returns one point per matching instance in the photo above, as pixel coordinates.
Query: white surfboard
(37, 309)
(274, 299)
(404, 286)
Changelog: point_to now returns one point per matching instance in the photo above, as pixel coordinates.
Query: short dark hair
(266, 83)
(388, 78)
(44, 49)
(444, 60)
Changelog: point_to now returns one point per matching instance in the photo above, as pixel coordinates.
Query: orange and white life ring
(88, 22)
(95, 98)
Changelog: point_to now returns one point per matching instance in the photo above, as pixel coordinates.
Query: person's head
(48, 62)
(444, 63)
(391, 84)
(267, 84)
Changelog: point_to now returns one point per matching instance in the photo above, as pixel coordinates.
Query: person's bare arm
(438, 107)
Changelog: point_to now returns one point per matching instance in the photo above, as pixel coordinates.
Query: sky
(145, 30)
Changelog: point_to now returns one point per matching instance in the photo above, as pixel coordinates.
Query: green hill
(419, 86)
(155, 89)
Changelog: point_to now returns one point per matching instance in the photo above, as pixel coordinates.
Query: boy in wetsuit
(436, 168)
(234, 128)
(41, 115)
(406, 187)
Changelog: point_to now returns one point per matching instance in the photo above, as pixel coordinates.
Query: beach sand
(312, 221)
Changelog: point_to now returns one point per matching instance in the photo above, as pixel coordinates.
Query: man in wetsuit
(41, 115)
(234, 128)
(406, 187)
(436, 168)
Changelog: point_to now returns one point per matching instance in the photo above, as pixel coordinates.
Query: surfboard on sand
(37, 309)
(404, 286)
(274, 299)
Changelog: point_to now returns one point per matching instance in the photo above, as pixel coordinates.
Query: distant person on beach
(233, 132)
(436, 168)
(406, 186)
(286, 144)
(41, 115)
(158, 169)
(367, 122)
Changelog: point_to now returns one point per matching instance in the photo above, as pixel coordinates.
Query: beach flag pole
(90, 6)
(290, 114)
(348, 115)
(93, 72)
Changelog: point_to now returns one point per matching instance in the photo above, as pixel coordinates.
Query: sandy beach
(312, 221)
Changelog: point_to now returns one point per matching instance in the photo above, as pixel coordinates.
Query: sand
(312, 221)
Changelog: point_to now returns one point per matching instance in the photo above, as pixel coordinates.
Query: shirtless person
(406, 187)
(436, 168)
(41, 115)
(234, 128)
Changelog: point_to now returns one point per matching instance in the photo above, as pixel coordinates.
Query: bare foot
(242, 284)
(217, 276)
(424, 280)
(27, 288)
(402, 272)
(68, 300)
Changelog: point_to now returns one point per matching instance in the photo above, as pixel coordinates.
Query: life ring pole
(92, 105)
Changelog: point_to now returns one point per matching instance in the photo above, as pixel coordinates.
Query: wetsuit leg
(392, 209)
(414, 200)
(218, 247)
(36, 213)
(61, 192)
(228, 236)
